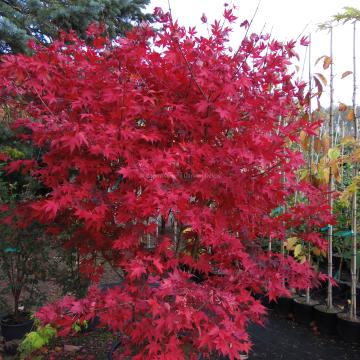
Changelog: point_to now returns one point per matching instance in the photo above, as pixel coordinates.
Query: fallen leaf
(72, 348)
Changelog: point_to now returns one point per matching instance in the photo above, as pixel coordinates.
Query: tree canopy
(133, 128)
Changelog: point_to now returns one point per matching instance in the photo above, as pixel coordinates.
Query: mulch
(93, 345)
(280, 339)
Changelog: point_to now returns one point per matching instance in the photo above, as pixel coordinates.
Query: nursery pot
(267, 303)
(346, 290)
(303, 312)
(116, 344)
(326, 319)
(341, 289)
(347, 328)
(11, 330)
(284, 306)
(336, 260)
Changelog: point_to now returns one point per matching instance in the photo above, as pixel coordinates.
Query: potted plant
(348, 324)
(302, 305)
(23, 250)
(342, 244)
(325, 314)
(282, 305)
(23, 261)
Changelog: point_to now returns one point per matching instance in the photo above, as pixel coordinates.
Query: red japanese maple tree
(169, 120)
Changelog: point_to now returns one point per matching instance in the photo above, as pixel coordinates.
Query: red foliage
(169, 120)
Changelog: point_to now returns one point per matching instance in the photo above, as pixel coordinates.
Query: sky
(286, 20)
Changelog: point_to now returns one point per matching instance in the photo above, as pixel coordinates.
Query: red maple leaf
(136, 269)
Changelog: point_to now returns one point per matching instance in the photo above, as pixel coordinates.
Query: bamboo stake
(282, 243)
(354, 199)
(331, 178)
(310, 159)
(269, 246)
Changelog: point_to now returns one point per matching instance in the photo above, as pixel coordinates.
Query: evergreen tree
(21, 20)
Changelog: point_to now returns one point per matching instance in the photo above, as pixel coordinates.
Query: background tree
(42, 19)
(353, 15)
(344, 146)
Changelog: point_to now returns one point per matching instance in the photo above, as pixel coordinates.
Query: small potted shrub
(303, 305)
(326, 313)
(23, 255)
(69, 276)
(72, 280)
(23, 261)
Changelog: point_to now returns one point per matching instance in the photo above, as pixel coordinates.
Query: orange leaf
(326, 174)
(317, 145)
(322, 78)
(321, 57)
(319, 86)
(327, 62)
(342, 107)
(351, 115)
(346, 73)
(326, 143)
(335, 172)
(304, 140)
(355, 156)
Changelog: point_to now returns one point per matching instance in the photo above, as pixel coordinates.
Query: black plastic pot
(340, 290)
(325, 319)
(284, 306)
(303, 312)
(347, 291)
(336, 260)
(348, 329)
(267, 303)
(12, 331)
